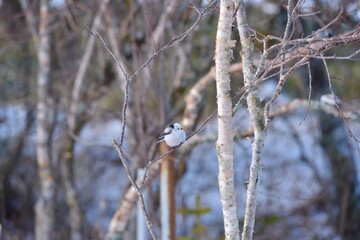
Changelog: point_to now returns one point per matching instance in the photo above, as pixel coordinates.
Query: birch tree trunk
(224, 144)
(44, 209)
(256, 112)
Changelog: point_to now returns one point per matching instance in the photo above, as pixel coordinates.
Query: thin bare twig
(128, 80)
(84, 64)
(104, 45)
(315, 105)
(282, 78)
(127, 83)
(209, 8)
(202, 125)
(310, 91)
(174, 41)
(312, 47)
(136, 188)
(244, 91)
(339, 110)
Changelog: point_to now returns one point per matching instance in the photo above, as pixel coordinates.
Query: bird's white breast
(175, 138)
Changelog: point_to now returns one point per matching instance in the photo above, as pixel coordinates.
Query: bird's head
(177, 126)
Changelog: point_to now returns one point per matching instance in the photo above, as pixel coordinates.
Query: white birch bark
(256, 112)
(44, 209)
(224, 144)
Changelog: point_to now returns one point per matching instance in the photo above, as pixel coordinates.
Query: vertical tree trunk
(224, 144)
(44, 209)
(256, 112)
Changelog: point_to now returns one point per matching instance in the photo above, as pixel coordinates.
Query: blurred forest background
(310, 183)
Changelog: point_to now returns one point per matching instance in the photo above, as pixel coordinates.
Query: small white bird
(174, 135)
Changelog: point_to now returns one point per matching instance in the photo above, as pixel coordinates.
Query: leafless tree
(45, 205)
(225, 141)
(160, 55)
(260, 112)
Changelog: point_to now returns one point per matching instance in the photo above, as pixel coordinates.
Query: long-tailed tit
(174, 135)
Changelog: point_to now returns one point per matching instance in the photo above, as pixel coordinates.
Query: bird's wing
(167, 131)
